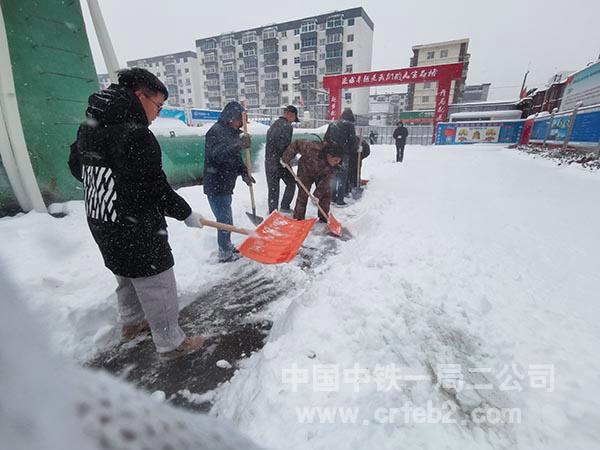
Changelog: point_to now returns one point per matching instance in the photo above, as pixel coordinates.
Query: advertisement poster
(584, 87)
(470, 134)
(173, 113)
(559, 128)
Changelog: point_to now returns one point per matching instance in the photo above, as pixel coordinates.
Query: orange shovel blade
(334, 225)
(277, 239)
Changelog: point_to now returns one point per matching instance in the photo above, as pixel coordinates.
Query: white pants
(154, 298)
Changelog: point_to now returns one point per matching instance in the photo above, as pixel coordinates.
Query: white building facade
(180, 73)
(273, 66)
(422, 95)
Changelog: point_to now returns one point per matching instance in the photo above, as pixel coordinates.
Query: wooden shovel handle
(225, 227)
(249, 163)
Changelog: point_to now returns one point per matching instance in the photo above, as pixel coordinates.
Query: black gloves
(248, 179)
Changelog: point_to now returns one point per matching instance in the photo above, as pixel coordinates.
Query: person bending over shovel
(319, 163)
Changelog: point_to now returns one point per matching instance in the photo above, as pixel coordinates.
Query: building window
(334, 22)
(250, 52)
(308, 71)
(248, 37)
(296, 73)
(189, 91)
(228, 55)
(209, 45)
(226, 43)
(308, 27)
(296, 31)
(228, 67)
(284, 62)
(307, 56)
(321, 56)
(184, 60)
(312, 42)
(187, 70)
(348, 96)
(333, 53)
(350, 38)
(349, 68)
(322, 71)
(269, 34)
(284, 48)
(350, 22)
(333, 38)
(190, 101)
(284, 75)
(444, 54)
(181, 91)
(271, 76)
(425, 99)
(158, 74)
(284, 34)
(430, 55)
(297, 46)
(285, 100)
(427, 85)
(349, 53)
(297, 60)
(176, 60)
(284, 87)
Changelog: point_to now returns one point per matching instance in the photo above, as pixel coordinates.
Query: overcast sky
(506, 36)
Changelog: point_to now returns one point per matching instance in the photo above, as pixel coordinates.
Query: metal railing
(417, 134)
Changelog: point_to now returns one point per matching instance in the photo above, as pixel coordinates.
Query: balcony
(272, 101)
(249, 38)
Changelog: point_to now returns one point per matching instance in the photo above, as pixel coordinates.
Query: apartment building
(279, 64)
(180, 73)
(422, 95)
(384, 109)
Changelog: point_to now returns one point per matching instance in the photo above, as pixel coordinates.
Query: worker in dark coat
(400, 135)
(342, 133)
(127, 196)
(223, 164)
(319, 163)
(279, 137)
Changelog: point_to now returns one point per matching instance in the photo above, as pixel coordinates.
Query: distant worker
(372, 137)
(400, 135)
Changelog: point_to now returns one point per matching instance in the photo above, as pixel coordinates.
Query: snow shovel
(276, 240)
(332, 223)
(256, 220)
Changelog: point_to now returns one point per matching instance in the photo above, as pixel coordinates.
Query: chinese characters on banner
(443, 74)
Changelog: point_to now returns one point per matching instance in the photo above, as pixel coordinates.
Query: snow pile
(467, 298)
(49, 404)
(166, 126)
(469, 288)
(60, 273)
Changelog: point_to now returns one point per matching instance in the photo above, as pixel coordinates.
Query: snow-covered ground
(469, 290)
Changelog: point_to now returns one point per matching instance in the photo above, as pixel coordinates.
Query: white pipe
(19, 164)
(108, 52)
(10, 166)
